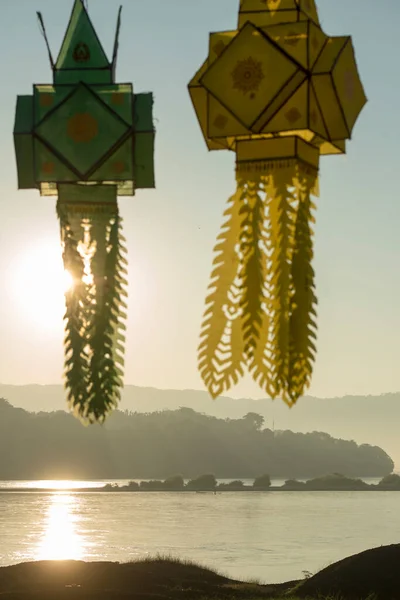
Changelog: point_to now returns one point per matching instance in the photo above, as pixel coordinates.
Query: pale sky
(171, 231)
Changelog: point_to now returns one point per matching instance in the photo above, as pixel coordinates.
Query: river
(270, 537)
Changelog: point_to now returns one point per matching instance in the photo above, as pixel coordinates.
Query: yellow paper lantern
(279, 92)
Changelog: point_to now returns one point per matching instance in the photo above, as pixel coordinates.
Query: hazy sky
(171, 231)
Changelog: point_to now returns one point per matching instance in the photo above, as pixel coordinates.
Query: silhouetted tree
(254, 420)
(262, 483)
(174, 483)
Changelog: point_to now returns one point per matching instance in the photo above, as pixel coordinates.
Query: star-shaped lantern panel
(82, 130)
(280, 79)
(252, 77)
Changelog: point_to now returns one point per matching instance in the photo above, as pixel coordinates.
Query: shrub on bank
(133, 485)
(153, 485)
(293, 484)
(336, 481)
(390, 482)
(202, 483)
(232, 485)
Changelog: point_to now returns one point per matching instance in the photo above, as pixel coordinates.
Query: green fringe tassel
(93, 253)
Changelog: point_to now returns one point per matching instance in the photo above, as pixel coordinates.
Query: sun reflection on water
(61, 540)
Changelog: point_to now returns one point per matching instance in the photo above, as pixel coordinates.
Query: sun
(38, 283)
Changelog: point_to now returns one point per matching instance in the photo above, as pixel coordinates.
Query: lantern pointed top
(81, 49)
(270, 12)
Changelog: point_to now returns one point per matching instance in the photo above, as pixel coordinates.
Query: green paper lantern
(88, 140)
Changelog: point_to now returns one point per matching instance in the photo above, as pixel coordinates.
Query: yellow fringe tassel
(261, 306)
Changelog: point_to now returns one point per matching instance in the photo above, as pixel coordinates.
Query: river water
(272, 537)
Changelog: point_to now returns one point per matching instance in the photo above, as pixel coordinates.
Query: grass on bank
(244, 586)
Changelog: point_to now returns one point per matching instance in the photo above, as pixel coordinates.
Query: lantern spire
(82, 56)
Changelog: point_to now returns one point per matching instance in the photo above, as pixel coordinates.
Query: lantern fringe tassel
(261, 308)
(93, 254)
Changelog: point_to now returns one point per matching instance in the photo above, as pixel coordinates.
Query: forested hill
(372, 419)
(157, 445)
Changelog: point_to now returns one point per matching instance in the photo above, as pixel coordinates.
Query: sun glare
(38, 283)
(60, 540)
(61, 484)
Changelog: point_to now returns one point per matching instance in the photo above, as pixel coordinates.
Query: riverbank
(329, 483)
(372, 574)
(208, 483)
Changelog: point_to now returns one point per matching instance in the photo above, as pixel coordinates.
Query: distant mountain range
(365, 419)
